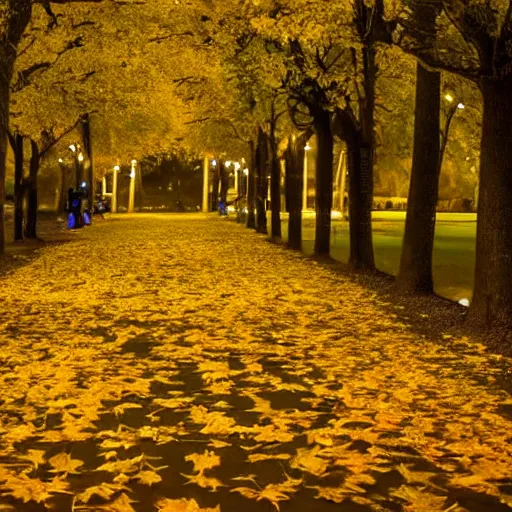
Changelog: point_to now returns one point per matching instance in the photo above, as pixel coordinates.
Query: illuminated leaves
(63, 463)
(104, 491)
(336, 394)
(203, 461)
(183, 505)
(26, 489)
(308, 460)
(274, 493)
(148, 478)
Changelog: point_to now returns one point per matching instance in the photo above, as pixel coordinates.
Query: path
(167, 362)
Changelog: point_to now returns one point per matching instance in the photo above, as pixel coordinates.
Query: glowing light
(464, 302)
(214, 163)
(80, 157)
(117, 168)
(60, 160)
(449, 98)
(461, 106)
(246, 172)
(237, 166)
(72, 147)
(228, 163)
(84, 184)
(132, 174)
(307, 147)
(134, 162)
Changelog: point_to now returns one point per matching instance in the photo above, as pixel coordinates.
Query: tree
(478, 38)
(15, 16)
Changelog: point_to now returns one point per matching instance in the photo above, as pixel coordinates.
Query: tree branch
(56, 140)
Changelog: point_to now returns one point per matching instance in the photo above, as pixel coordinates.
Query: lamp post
(80, 159)
(74, 150)
(305, 189)
(453, 107)
(131, 199)
(114, 189)
(63, 189)
(206, 184)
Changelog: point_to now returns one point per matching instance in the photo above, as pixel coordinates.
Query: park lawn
(454, 247)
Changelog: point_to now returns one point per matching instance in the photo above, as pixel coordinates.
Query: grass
(454, 247)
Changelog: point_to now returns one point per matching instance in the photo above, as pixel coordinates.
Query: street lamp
(307, 148)
(131, 199)
(453, 106)
(74, 149)
(114, 189)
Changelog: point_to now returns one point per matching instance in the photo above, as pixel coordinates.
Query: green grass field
(454, 249)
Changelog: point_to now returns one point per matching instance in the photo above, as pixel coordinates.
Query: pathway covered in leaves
(181, 363)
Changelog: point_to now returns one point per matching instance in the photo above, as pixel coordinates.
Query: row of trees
(237, 77)
(301, 67)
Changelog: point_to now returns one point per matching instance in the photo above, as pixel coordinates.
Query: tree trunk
(224, 183)
(86, 132)
(415, 274)
(31, 226)
(17, 20)
(63, 188)
(324, 185)
(275, 186)
(215, 187)
(140, 193)
(294, 189)
(17, 147)
(361, 170)
(359, 205)
(5, 77)
(261, 182)
(492, 299)
(251, 188)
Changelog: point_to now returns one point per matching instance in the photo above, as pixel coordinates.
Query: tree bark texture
(32, 202)
(492, 298)
(324, 182)
(261, 182)
(251, 188)
(294, 189)
(18, 186)
(275, 187)
(63, 188)
(415, 274)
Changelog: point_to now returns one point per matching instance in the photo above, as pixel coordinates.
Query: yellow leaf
(122, 466)
(148, 478)
(203, 481)
(218, 444)
(120, 409)
(307, 460)
(36, 457)
(257, 457)
(203, 461)
(105, 491)
(183, 505)
(63, 463)
(122, 504)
